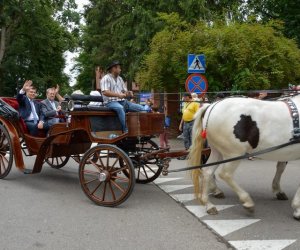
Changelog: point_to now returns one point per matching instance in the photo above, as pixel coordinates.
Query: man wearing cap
(115, 92)
(189, 109)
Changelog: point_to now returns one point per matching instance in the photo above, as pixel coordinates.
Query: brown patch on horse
(246, 130)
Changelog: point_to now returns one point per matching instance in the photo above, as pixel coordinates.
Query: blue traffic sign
(196, 63)
(196, 83)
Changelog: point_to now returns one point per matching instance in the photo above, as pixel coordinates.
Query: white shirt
(116, 85)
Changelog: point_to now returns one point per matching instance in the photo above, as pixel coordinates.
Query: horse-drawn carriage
(110, 162)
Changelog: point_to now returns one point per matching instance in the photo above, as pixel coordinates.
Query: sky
(70, 57)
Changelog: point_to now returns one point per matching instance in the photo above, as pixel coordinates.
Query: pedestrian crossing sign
(196, 63)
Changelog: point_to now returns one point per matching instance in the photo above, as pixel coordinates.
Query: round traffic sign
(196, 83)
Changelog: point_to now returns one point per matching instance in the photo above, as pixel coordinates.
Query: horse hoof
(250, 209)
(219, 195)
(297, 216)
(212, 211)
(281, 196)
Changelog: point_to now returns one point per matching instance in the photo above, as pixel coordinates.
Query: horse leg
(296, 204)
(280, 167)
(226, 174)
(207, 181)
(214, 189)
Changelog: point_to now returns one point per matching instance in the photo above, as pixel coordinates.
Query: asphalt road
(271, 226)
(50, 211)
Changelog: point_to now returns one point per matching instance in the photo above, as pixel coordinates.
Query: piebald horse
(234, 127)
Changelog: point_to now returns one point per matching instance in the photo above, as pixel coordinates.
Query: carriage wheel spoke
(139, 171)
(104, 191)
(90, 172)
(145, 172)
(96, 165)
(117, 186)
(101, 162)
(121, 178)
(117, 159)
(107, 159)
(146, 165)
(2, 139)
(90, 181)
(92, 193)
(118, 170)
(2, 163)
(112, 191)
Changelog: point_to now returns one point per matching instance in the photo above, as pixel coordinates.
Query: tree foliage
(123, 30)
(286, 11)
(239, 56)
(34, 36)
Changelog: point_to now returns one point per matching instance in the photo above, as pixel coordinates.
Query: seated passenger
(30, 109)
(51, 108)
(115, 92)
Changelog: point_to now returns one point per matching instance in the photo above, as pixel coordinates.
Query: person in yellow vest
(186, 125)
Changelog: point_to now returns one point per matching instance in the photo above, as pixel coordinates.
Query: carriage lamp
(67, 105)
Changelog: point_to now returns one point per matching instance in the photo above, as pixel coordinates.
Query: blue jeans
(120, 107)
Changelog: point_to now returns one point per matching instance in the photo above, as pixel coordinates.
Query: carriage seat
(14, 103)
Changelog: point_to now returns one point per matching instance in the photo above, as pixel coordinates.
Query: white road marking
(200, 211)
(261, 244)
(172, 188)
(224, 227)
(183, 197)
(162, 180)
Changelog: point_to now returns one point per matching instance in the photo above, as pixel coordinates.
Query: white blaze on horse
(237, 126)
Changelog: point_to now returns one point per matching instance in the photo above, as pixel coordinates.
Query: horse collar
(295, 117)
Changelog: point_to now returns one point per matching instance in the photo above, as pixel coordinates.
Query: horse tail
(196, 148)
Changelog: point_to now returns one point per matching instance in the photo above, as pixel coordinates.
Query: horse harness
(295, 117)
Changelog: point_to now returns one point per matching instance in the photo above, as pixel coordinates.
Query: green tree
(123, 30)
(239, 57)
(286, 11)
(34, 36)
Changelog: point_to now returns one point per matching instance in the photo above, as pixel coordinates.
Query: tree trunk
(2, 43)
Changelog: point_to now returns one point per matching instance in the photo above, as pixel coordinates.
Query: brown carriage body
(108, 171)
(76, 137)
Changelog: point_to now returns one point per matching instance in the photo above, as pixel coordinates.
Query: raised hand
(56, 89)
(27, 85)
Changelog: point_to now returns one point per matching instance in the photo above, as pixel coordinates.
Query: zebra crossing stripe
(261, 244)
(224, 227)
(200, 211)
(183, 197)
(163, 180)
(172, 188)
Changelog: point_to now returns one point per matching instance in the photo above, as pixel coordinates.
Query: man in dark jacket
(30, 109)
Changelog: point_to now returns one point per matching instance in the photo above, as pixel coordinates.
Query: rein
(264, 151)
